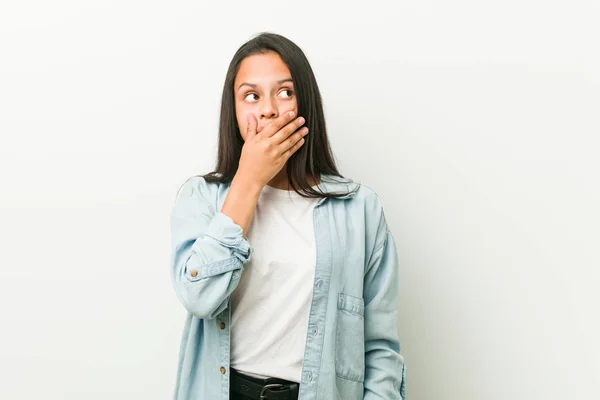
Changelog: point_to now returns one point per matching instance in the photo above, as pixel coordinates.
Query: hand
(264, 154)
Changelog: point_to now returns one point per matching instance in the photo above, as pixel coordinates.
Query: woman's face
(263, 87)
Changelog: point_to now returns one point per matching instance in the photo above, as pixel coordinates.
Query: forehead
(262, 68)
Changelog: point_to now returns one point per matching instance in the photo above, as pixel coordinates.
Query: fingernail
(291, 113)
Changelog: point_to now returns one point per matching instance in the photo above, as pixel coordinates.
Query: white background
(477, 123)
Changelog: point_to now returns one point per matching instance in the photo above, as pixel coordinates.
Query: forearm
(241, 201)
(384, 371)
(208, 251)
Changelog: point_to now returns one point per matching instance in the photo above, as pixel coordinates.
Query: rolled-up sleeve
(208, 251)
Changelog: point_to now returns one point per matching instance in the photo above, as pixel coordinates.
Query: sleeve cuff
(225, 231)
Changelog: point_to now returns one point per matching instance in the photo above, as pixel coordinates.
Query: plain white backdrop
(477, 123)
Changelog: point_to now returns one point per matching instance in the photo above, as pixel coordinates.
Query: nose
(268, 109)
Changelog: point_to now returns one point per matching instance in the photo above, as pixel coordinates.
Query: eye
(248, 95)
(290, 93)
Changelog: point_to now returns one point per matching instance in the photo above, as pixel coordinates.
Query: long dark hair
(315, 156)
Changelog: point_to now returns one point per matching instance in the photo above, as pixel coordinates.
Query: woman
(287, 269)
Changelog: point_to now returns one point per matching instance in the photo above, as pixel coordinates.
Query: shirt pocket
(350, 338)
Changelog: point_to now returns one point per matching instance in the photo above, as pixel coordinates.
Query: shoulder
(197, 187)
(369, 205)
(367, 195)
(366, 198)
(358, 193)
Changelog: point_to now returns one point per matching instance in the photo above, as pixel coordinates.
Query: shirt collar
(335, 184)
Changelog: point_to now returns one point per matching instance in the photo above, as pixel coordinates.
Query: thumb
(251, 126)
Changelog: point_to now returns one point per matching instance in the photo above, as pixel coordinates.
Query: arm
(241, 200)
(208, 251)
(384, 365)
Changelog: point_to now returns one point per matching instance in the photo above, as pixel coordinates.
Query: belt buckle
(262, 396)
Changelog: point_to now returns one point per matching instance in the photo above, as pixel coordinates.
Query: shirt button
(222, 325)
(319, 284)
(194, 273)
(222, 370)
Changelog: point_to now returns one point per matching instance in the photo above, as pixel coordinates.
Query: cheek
(242, 126)
(241, 117)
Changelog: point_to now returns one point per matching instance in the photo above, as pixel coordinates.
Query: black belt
(263, 389)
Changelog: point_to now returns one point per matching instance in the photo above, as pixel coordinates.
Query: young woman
(287, 269)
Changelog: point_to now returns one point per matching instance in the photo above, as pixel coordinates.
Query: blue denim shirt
(352, 347)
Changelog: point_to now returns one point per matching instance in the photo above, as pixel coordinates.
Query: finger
(293, 139)
(293, 149)
(251, 126)
(297, 144)
(278, 123)
(260, 129)
(288, 130)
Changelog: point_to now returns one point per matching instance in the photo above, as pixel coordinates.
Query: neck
(280, 181)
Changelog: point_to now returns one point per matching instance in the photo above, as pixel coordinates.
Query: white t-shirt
(271, 305)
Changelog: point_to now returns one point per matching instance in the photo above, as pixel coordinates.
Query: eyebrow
(254, 85)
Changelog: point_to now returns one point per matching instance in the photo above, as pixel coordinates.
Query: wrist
(247, 185)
